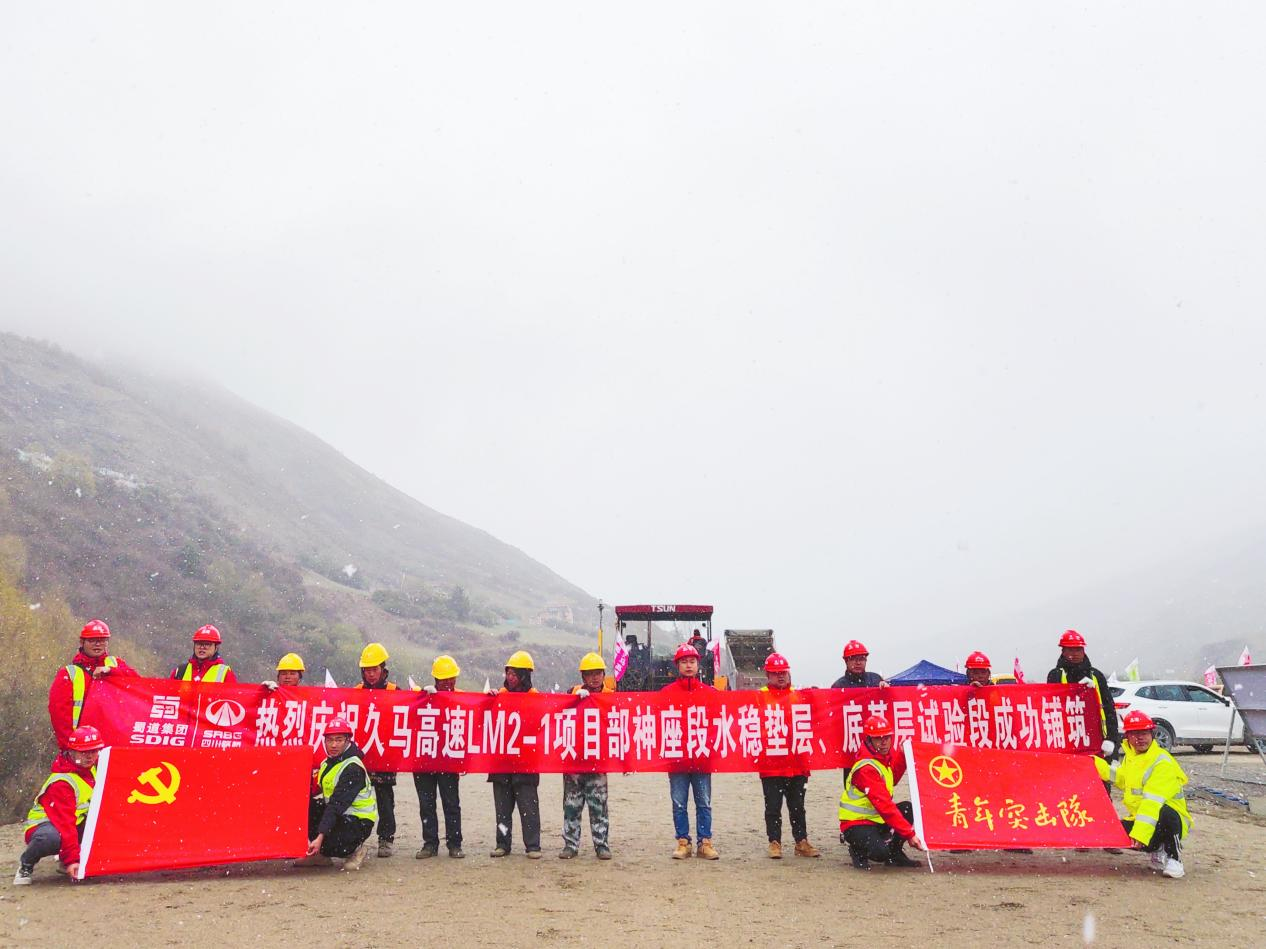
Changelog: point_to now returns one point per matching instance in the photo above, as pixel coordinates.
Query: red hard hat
(1137, 721)
(1072, 640)
(685, 651)
(854, 648)
(978, 660)
(85, 738)
(776, 662)
(95, 629)
(338, 726)
(877, 727)
(206, 634)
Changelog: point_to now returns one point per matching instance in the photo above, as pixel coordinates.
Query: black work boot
(859, 858)
(897, 855)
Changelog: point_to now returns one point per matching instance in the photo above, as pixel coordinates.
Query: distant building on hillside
(553, 615)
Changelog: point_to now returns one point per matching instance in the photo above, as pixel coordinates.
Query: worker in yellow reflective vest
(1151, 782)
(871, 823)
(74, 681)
(1074, 665)
(205, 665)
(55, 822)
(342, 818)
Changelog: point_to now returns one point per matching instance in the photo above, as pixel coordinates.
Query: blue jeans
(679, 787)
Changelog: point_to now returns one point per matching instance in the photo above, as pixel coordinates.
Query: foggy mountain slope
(1177, 617)
(174, 504)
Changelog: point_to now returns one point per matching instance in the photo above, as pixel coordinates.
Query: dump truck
(743, 657)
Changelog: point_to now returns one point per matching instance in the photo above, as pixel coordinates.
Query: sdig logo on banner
(163, 726)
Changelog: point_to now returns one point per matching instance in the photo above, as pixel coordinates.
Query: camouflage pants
(579, 790)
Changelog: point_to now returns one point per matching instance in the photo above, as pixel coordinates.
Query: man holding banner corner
(55, 822)
(872, 825)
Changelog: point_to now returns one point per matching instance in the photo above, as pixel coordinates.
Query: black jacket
(867, 680)
(1075, 673)
(349, 785)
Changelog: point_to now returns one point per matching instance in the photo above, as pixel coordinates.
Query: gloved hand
(1109, 748)
(270, 685)
(428, 689)
(100, 671)
(490, 691)
(582, 693)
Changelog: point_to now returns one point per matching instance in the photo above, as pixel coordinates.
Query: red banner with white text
(770, 732)
(165, 807)
(984, 799)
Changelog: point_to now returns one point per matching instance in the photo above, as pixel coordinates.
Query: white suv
(1185, 713)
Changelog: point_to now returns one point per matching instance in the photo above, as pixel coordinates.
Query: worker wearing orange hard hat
(74, 681)
(1073, 665)
(55, 822)
(874, 827)
(780, 786)
(683, 784)
(205, 665)
(1151, 783)
(444, 784)
(856, 676)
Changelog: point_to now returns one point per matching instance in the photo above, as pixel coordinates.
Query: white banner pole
(94, 809)
(912, 774)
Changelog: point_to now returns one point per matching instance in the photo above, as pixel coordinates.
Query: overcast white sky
(851, 318)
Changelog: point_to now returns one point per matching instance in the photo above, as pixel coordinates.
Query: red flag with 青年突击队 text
(164, 808)
(986, 799)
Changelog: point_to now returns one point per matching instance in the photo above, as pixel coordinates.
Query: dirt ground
(642, 898)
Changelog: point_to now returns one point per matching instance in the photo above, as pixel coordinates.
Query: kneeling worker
(1152, 783)
(342, 818)
(56, 819)
(874, 827)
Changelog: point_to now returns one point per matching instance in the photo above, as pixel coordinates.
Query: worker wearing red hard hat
(74, 681)
(205, 665)
(55, 822)
(855, 675)
(1074, 666)
(682, 784)
(342, 818)
(784, 785)
(874, 827)
(978, 668)
(1151, 783)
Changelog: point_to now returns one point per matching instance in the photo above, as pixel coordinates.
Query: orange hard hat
(978, 660)
(1072, 640)
(338, 726)
(1138, 721)
(85, 738)
(685, 651)
(207, 634)
(855, 648)
(776, 662)
(95, 629)
(877, 727)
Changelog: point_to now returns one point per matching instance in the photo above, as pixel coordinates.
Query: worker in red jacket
(873, 826)
(55, 822)
(74, 681)
(205, 665)
(681, 784)
(782, 785)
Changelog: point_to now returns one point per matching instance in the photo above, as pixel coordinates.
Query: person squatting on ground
(1151, 782)
(681, 784)
(580, 790)
(779, 787)
(374, 675)
(55, 822)
(875, 828)
(444, 671)
(74, 681)
(511, 790)
(342, 818)
(205, 665)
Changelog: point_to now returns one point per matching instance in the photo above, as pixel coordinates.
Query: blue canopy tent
(928, 673)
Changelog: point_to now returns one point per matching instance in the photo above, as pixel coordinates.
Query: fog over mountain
(936, 326)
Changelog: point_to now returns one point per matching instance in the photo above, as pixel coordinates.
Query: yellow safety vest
(1103, 714)
(365, 804)
(79, 687)
(854, 804)
(215, 674)
(1148, 782)
(83, 797)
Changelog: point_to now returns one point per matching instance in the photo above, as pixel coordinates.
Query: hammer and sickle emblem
(164, 791)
